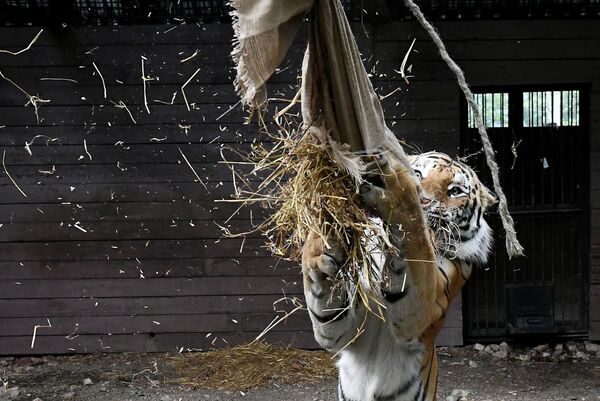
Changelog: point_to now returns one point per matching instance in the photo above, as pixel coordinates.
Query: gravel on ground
(493, 372)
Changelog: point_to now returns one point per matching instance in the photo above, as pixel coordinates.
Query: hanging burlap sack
(338, 100)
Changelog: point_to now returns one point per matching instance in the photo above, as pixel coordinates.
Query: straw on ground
(250, 366)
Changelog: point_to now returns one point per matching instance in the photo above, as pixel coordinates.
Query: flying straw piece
(91, 51)
(36, 327)
(35, 101)
(403, 65)
(78, 226)
(228, 110)
(101, 77)
(59, 79)
(184, 85)
(25, 49)
(167, 103)
(278, 319)
(48, 172)
(189, 58)
(122, 105)
(73, 334)
(287, 108)
(389, 94)
(28, 144)
(9, 176)
(144, 80)
(192, 168)
(513, 149)
(86, 149)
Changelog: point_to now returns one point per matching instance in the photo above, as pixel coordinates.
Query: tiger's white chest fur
(377, 366)
(380, 368)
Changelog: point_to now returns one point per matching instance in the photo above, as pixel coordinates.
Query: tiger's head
(454, 202)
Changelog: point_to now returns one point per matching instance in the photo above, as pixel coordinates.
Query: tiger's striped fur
(440, 233)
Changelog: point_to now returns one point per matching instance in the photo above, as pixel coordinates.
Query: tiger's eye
(418, 174)
(455, 191)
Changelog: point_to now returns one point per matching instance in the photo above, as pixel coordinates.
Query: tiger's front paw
(388, 185)
(322, 259)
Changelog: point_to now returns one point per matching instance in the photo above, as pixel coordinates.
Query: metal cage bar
(547, 187)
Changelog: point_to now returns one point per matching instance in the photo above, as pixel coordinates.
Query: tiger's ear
(488, 198)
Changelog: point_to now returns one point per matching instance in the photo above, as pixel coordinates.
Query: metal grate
(553, 244)
(551, 109)
(544, 173)
(175, 11)
(494, 9)
(494, 110)
(99, 9)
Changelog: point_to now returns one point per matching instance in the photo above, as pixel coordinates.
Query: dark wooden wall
(120, 252)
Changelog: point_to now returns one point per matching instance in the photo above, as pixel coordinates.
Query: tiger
(434, 210)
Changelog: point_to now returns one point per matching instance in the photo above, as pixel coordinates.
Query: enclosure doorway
(540, 134)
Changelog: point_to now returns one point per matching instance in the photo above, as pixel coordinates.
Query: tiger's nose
(425, 201)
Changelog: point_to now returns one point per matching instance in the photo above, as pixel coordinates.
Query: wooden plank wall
(118, 245)
(118, 248)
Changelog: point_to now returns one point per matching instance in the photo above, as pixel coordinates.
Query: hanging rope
(513, 247)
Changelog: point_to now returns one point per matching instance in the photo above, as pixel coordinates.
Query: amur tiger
(434, 210)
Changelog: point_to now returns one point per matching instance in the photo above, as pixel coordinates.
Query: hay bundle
(308, 192)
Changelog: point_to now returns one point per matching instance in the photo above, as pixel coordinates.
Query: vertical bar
(476, 305)
(562, 268)
(506, 108)
(484, 109)
(563, 121)
(578, 111)
(552, 107)
(492, 96)
(486, 98)
(555, 152)
(503, 294)
(486, 303)
(532, 109)
(533, 163)
(498, 270)
(572, 166)
(570, 106)
(563, 163)
(553, 254)
(573, 278)
(502, 123)
(525, 101)
(538, 109)
(544, 106)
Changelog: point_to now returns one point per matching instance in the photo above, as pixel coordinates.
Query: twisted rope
(513, 247)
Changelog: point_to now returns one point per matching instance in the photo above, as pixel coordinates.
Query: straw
(307, 193)
(249, 366)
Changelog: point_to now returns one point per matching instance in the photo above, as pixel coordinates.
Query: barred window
(551, 109)
(494, 110)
